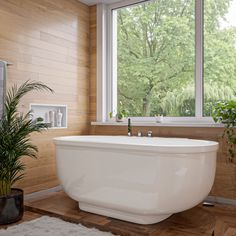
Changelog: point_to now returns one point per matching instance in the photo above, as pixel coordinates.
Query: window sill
(163, 124)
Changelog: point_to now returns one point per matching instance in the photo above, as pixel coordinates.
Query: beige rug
(49, 226)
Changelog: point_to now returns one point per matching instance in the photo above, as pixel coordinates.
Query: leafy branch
(225, 113)
(15, 128)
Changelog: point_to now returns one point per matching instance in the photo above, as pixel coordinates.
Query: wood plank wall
(225, 181)
(93, 63)
(48, 40)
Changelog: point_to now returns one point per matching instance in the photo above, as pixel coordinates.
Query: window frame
(107, 66)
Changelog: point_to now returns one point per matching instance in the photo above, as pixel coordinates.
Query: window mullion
(199, 58)
(113, 67)
(101, 62)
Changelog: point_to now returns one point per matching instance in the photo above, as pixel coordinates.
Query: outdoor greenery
(15, 128)
(156, 57)
(225, 113)
(121, 113)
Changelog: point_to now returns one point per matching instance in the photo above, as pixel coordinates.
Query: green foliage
(15, 128)
(39, 119)
(156, 57)
(121, 113)
(225, 113)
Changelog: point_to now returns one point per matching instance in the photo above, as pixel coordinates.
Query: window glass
(156, 58)
(219, 52)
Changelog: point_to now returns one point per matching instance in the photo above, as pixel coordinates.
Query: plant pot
(11, 207)
(119, 119)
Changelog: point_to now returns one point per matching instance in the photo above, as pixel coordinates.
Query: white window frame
(107, 65)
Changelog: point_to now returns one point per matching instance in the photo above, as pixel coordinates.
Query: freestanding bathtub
(137, 179)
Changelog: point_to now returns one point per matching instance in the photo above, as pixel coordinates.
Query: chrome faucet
(149, 134)
(129, 127)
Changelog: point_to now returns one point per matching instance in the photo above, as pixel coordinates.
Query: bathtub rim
(69, 142)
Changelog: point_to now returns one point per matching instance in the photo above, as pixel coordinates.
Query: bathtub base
(126, 216)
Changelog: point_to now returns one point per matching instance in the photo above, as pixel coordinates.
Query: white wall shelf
(43, 111)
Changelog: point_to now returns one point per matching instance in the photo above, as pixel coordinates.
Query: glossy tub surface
(137, 179)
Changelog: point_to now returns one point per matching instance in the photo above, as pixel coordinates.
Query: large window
(162, 65)
(156, 58)
(219, 52)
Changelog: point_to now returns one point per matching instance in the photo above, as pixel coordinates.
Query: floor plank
(197, 221)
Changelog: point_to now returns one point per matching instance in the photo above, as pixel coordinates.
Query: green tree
(156, 57)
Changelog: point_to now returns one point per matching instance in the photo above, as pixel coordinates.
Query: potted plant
(121, 114)
(39, 119)
(15, 128)
(225, 112)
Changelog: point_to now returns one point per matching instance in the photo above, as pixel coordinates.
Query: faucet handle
(149, 134)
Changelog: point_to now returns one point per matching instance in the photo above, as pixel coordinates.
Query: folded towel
(3, 70)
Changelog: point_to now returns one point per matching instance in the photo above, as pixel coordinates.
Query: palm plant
(15, 128)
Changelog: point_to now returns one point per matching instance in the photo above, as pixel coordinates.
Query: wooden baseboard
(39, 194)
(221, 200)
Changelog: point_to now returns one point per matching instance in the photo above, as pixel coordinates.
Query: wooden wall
(93, 63)
(225, 181)
(48, 40)
(54, 41)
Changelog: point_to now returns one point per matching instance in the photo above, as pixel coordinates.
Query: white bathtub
(142, 180)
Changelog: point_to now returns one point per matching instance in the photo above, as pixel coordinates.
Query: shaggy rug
(49, 226)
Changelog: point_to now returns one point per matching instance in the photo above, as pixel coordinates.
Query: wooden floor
(198, 221)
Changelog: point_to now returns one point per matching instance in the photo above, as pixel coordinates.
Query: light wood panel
(48, 40)
(93, 62)
(225, 181)
(196, 221)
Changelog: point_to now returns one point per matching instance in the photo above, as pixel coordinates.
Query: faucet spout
(129, 127)
(149, 133)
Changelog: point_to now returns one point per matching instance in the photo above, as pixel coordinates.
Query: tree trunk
(146, 107)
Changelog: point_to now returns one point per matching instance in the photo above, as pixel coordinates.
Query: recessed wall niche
(53, 114)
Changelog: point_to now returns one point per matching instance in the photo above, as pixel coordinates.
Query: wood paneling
(54, 41)
(93, 62)
(196, 221)
(48, 40)
(225, 181)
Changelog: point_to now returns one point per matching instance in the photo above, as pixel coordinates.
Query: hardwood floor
(197, 221)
